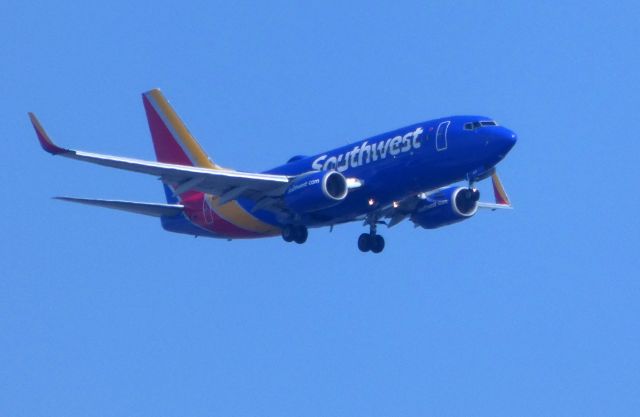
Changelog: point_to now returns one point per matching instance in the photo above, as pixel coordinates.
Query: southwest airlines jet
(408, 173)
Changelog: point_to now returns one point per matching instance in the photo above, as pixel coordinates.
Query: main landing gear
(371, 241)
(295, 233)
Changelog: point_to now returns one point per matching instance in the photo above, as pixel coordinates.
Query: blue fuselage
(404, 162)
(389, 168)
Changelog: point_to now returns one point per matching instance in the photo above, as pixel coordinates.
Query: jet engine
(316, 191)
(446, 206)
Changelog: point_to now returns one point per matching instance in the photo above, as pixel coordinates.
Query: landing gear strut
(371, 241)
(295, 233)
(472, 193)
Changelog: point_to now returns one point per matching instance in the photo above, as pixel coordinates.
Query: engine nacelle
(316, 191)
(447, 206)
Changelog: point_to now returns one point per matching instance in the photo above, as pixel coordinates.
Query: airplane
(408, 173)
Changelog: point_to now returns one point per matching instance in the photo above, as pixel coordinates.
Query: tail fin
(172, 140)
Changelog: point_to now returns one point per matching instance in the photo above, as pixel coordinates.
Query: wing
(500, 195)
(227, 184)
(399, 211)
(149, 209)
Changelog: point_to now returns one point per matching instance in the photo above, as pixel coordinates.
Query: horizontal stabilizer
(149, 209)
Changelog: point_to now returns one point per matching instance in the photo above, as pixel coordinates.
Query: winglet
(499, 192)
(46, 142)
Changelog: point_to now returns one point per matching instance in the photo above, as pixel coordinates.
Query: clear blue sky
(532, 312)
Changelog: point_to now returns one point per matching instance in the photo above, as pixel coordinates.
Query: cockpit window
(479, 124)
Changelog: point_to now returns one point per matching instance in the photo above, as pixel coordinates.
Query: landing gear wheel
(470, 194)
(287, 233)
(300, 234)
(295, 233)
(377, 243)
(467, 199)
(371, 241)
(364, 242)
(475, 194)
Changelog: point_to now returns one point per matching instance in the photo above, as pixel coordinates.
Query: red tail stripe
(165, 145)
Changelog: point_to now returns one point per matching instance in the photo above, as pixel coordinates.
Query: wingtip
(69, 199)
(45, 141)
(499, 192)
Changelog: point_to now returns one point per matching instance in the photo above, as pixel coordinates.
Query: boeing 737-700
(409, 173)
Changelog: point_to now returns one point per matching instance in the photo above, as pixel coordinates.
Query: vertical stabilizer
(172, 140)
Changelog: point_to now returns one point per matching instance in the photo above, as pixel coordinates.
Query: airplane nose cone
(498, 144)
(506, 139)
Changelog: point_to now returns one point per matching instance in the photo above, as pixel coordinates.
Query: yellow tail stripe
(231, 211)
(235, 214)
(185, 137)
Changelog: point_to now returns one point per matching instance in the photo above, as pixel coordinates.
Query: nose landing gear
(368, 242)
(371, 241)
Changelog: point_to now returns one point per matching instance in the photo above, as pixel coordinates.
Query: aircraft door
(441, 136)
